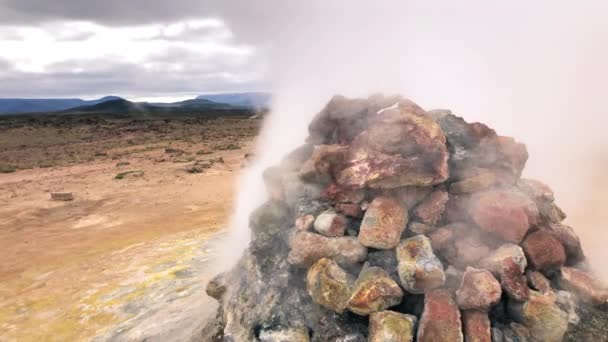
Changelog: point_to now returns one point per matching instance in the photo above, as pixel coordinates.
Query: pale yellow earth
(107, 265)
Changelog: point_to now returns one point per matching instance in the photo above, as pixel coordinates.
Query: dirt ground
(129, 249)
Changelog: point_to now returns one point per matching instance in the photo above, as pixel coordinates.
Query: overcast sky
(137, 49)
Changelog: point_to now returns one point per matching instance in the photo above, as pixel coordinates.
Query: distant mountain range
(115, 104)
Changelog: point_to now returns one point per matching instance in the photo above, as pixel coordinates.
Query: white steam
(534, 70)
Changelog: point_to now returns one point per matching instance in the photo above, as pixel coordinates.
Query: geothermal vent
(396, 224)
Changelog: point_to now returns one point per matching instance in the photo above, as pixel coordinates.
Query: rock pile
(396, 224)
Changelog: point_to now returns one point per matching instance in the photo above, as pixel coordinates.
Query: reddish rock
(568, 238)
(539, 282)
(544, 320)
(476, 326)
(390, 326)
(481, 180)
(304, 223)
(374, 291)
(383, 223)
(410, 196)
(322, 162)
(504, 213)
(336, 194)
(307, 248)
(402, 146)
(479, 290)
(543, 251)
(431, 209)
(585, 285)
(420, 228)
(441, 238)
(467, 250)
(329, 285)
(419, 269)
(440, 320)
(536, 190)
(349, 209)
(330, 223)
(508, 264)
(453, 278)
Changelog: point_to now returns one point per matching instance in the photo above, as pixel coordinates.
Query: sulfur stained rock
(544, 319)
(374, 291)
(419, 269)
(383, 223)
(330, 223)
(585, 285)
(329, 285)
(307, 248)
(544, 252)
(507, 214)
(305, 222)
(285, 335)
(479, 290)
(476, 326)
(440, 320)
(390, 326)
(431, 208)
(508, 264)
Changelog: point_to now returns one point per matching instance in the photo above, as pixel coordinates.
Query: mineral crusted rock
(508, 263)
(584, 284)
(350, 209)
(383, 223)
(385, 259)
(567, 301)
(541, 316)
(330, 223)
(431, 208)
(504, 213)
(479, 290)
(419, 269)
(402, 146)
(467, 250)
(374, 291)
(305, 222)
(334, 193)
(390, 326)
(544, 252)
(323, 159)
(441, 238)
(440, 321)
(481, 180)
(329, 285)
(476, 325)
(285, 335)
(307, 248)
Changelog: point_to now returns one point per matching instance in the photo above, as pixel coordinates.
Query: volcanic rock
(330, 223)
(481, 180)
(440, 321)
(479, 290)
(508, 263)
(307, 248)
(584, 284)
(374, 291)
(467, 250)
(543, 251)
(569, 240)
(321, 163)
(329, 285)
(419, 269)
(476, 326)
(504, 213)
(539, 282)
(390, 326)
(453, 278)
(418, 228)
(304, 222)
(567, 301)
(216, 287)
(541, 316)
(383, 223)
(350, 209)
(285, 335)
(430, 210)
(410, 196)
(441, 238)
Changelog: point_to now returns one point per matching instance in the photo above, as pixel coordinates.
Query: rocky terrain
(109, 223)
(392, 223)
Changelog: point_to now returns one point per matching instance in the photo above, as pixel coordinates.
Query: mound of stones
(392, 223)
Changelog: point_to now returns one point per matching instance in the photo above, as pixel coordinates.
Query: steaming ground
(127, 259)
